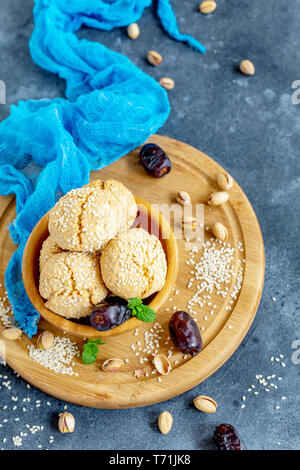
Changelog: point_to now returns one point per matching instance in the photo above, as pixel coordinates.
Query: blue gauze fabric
(48, 147)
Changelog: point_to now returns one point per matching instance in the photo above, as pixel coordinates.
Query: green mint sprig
(141, 311)
(90, 350)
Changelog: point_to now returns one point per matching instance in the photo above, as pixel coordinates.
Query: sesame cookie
(49, 248)
(87, 218)
(134, 264)
(72, 284)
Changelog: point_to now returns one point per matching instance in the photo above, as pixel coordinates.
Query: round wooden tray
(196, 173)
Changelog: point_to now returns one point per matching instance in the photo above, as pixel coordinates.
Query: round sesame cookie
(49, 248)
(87, 218)
(134, 264)
(72, 284)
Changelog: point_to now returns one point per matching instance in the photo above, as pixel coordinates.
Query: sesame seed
(58, 358)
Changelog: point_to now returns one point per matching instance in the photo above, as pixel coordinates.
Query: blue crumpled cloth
(48, 147)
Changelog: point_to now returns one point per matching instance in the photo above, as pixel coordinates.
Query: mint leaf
(141, 311)
(145, 314)
(90, 351)
(97, 341)
(133, 303)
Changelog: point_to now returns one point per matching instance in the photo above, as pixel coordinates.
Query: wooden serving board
(223, 331)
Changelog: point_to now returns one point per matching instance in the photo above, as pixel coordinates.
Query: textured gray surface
(248, 125)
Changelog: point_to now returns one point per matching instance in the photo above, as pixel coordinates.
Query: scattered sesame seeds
(267, 384)
(58, 358)
(6, 313)
(213, 273)
(159, 378)
(17, 440)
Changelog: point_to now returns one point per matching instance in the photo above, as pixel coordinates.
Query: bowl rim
(87, 331)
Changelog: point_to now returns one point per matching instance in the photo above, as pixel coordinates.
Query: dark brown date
(106, 317)
(185, 333)
(155, 161)
(227, 438)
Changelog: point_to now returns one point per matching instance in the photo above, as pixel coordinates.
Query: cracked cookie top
(87, 218)
(49, 248)
(72, 284)
(134, 264)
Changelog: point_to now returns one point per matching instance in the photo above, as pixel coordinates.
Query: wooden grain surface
(196, 173)
(148, 217)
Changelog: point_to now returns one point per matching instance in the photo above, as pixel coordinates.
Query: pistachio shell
(66, 423)
(45, 340)
(154, 58)
(208, 6)
(205, 404)
(162, 364)
(113, 364)
(183, 198)
(11, 333)
(220, 231)
(167, 83)
(189, 223)
(133, 31)
(225, 181)
(218, 198)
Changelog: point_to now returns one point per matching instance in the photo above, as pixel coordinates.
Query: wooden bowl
(30, 273)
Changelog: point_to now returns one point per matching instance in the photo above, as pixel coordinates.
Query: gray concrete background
(250, 126)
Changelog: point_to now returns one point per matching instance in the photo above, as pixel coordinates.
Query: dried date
(155, 161)
(185, 333)
(227, 438)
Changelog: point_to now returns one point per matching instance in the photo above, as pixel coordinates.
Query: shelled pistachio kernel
(208, 6)
(247, 67)
(225, 181)
(66, 423)
(183, 198)
(218, 198)
(154, 58)
(205, 404)
(167, 83)
(11, 333)
(165, 422)
(133, 31)
(45, 340)
(220, 231)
